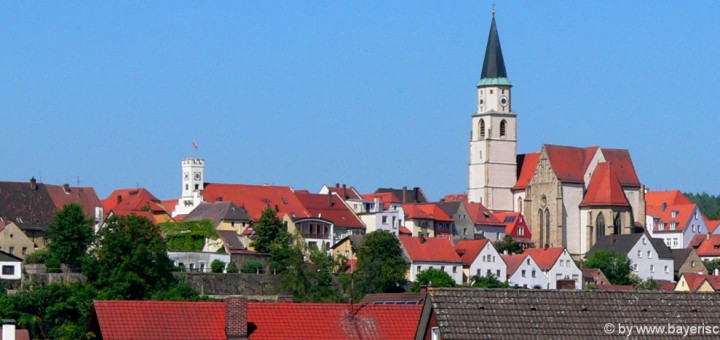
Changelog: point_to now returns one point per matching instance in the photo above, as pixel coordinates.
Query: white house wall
(528, 281)
(453, 269)
(564, 269)
(572, 197)
(650, 266)
(480, 266)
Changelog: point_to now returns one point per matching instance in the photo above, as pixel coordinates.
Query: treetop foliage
(269, 230)
(71, 233)
(432, 277)
(616, 267)
(709, 205)
(381, 267)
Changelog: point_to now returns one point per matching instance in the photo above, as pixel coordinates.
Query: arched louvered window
(503, 127)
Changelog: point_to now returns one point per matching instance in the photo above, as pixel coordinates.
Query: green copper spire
(493, 70)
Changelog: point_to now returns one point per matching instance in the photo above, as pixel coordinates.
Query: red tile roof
(138, 201)
(160, 319)
(386, 198)
(432, 250)
(707, 245)
(332, 321)
(694, 281)
(255, 198)
(84, 197)
(682, 217)
(712, 225)
(545, 257)
(569, 163)
(604, 189)
(665, 285)
(350, 192)
(513, 262)
(405, 231)
(527, 169)
(427, 211)
(622, 166)
(654, 200)
(478, 214)
(455, 198)
(330, 207)
(469, 250)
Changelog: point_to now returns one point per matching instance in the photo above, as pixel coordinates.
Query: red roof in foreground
(694, 281)
(434, 249)
(160, 319)
(604, 189)
(332, 321)
(545, 257)
(469, 250)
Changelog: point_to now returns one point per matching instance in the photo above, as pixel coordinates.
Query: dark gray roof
(680, 255)
(414, 195)
(464, 313)
(28, 204)
(231, 240)
(494, 64)
(624, 243)
(394, 298)
(450, 208)
(5, 257)
(218, 211)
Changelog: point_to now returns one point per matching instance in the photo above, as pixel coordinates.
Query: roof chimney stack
(8, 329)
(66, 188)
(421, 236)
(404, 194)
(236, 310)
(416, 194)
(345, 191)
(33, 184)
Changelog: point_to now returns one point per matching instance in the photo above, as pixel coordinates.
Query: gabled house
(692, 282)
(424, 253)
(557, 265)
(485, 223)
(10, 266)
(415, 195)
(463, 227)
(675, 219)
(331, 208)
(225, 215)
(650, 258)
(516, 227)
(138, 201)
(14, 241)
(523, 272)
(382, 211)
(428, 219)
(348, 194)
(687, 261)
(594, 277)
(480, 258)
(706, 246)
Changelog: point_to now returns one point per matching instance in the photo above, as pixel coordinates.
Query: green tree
(251, 267)
(648, 284)
(217, 266)
(509, 245)
(71, 233)
(381, 267)
(616, 267)
(231, 268)
(269, 229)
(130, 260)
(432, 277)
(490, 281)
(319, 276)
(711, 265)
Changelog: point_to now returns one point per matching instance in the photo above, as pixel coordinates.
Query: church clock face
(186, 176)
(197, 176)
(504, 101)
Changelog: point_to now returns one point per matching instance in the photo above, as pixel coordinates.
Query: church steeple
(493, 70)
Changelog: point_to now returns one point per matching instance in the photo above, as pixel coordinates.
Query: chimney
(345, 191)
(119, 198)
(404, 198)
(337, 185)
(236, 311)
(66, 188)
(707, 236)
(376, 202)
(8, 329)
(717, 271)
(421, 236)
(612, 239)
(416, 194)
(33, 184)
(330, 202)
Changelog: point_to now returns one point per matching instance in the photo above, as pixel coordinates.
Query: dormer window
(673, 225)
(673, 214)
(661, 226)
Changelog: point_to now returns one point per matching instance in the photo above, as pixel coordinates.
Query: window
(24, 250)
(503, 124)
(652, 268)
(533, 273)
(489, 273)
(667, 269)
(692, 264)
(384, 220)
(482, 128)
(527, 260)
(635, 267)
(521, 231)
(498, 273)
(644, 241)
(639, 253)
(661, 227)
(675, 242)
(668, 242)
(693, 228)
(522, 273)
(418, 269)
(197, 186)
(649, 254)
(12, 251)
(8, 270)
(435, 333)
(673, 214)
(454, 269)
(673, 225)
(442, 268)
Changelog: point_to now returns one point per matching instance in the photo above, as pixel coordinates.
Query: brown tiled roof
(85, 197)
(31, 208)
(562, 314)
(394, 298)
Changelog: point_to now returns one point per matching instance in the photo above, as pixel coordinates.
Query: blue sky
(372, 93)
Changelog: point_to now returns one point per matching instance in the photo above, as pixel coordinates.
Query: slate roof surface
(564, 314)
(414, 195)
(394, 298)
(217, 212)
(624, 243)
(5, 257)
(331, 321)
(231, 240)
(34, 207)
(493, 64)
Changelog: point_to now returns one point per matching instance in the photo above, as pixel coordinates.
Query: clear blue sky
(372, 93)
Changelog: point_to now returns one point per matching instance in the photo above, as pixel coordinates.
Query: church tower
(193, 177)
(493, 138)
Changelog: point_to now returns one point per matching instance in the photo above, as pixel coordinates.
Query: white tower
(493, 139)
(193, 177)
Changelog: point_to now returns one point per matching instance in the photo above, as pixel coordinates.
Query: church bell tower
(493, 138)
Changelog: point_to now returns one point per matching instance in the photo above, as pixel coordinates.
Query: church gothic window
(600, 226)
(617, 224)
(482, 128)
(503, 126)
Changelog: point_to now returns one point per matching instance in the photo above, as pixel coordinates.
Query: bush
(217, 266)
(231, 268)
(53, 264)
(251, 267)
(36, 257)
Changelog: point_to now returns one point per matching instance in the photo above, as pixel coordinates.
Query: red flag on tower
(194, 144)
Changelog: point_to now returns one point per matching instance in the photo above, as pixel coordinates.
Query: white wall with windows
(488, 262)
(454, 269)
(528, 275)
